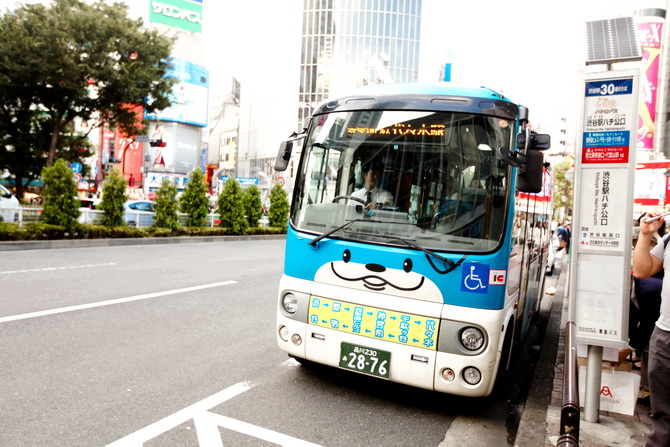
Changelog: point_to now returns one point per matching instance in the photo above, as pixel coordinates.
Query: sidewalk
(540, 422)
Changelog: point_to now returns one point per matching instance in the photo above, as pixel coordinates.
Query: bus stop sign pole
(602, 220)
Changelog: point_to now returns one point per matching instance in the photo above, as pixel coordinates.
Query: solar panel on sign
(612, 40)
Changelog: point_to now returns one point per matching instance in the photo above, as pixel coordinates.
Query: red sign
(605, 155)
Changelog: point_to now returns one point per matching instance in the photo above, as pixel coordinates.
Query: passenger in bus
(372, 195)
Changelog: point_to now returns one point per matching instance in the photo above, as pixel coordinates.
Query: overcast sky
(530, 50)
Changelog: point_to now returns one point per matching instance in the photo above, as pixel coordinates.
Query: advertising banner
(649, 34)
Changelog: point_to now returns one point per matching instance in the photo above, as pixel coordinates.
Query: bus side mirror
(529, 178)
(284, 155)
(537, 141)
(285, 150)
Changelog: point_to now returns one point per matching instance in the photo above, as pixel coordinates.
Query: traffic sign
(76, 167)
(77, 177)
(281, 181)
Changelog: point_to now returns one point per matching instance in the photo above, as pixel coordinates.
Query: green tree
(74, 61)
(563, 186)
(167, 205)
(113, 197)
(253, 206)
(61, 206)
(231, 207)
(278, 213)
(194, 201)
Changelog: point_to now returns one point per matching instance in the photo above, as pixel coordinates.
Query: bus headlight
(472, 375)
(472, 338)
(290, 303)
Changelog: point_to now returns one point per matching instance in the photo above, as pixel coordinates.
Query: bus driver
(372, 195)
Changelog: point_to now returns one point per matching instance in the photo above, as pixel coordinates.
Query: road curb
(532, 429)
(85, 243)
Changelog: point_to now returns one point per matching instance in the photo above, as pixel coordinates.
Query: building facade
(339, 45)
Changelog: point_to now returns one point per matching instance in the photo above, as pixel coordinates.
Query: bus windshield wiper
(341, 227)
(424, 249)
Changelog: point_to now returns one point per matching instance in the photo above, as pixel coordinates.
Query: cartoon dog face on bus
(399, 280)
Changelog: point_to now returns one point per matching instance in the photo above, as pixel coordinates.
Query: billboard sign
(181, 151)
(182, 14)
(189, 95)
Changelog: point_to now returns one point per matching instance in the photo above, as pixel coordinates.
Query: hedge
(42, 232)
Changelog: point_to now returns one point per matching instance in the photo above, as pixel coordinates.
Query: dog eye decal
(346, 256)
(407, 265)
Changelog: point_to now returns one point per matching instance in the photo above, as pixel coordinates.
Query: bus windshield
(433, 179)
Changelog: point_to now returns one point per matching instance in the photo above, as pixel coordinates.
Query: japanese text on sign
(372, 322)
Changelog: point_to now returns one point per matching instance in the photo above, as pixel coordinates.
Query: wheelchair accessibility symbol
(475, 277)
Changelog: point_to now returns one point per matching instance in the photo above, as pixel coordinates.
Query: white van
(9, 206)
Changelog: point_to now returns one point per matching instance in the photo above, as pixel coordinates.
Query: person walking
(646, 263)
(563, 234)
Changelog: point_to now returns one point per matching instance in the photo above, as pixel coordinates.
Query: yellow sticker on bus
(372, 322)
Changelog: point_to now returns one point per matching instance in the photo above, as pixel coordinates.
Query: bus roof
(423, 96)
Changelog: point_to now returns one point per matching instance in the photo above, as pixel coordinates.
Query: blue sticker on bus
(475, 277)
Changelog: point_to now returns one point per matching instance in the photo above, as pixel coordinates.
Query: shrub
(167, 205)
(61, 207)
(10, 232)
(113, 198)
(194, 201)
(253, 206)
(278, 213)
(231, 207)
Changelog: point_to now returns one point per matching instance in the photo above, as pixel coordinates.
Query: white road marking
(207, 424)
(254, 431)
(158, 428)
(207, 430)
(61, 310)
(49, 269)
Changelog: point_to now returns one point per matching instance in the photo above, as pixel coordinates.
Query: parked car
(139, 213)
(9, 206)
(88, 213)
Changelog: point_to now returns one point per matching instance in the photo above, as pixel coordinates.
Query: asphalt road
(174, 345)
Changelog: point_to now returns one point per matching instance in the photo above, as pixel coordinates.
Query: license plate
(365, 360)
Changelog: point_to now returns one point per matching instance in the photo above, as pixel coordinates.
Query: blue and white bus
(430, 283)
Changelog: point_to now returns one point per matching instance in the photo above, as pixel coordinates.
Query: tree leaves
(73, 61)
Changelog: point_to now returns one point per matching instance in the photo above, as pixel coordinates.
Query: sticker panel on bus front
(372, 322)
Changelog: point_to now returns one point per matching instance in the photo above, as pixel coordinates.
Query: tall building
(349, 43)
(343, 44)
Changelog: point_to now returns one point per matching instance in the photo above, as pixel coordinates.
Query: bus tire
(505, 356)
(304, 362)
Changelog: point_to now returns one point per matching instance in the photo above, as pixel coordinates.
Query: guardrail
(569, 423)
(27, 215)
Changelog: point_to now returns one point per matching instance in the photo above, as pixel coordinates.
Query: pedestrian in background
(646, 263)
(563, 234)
